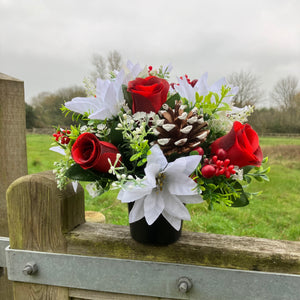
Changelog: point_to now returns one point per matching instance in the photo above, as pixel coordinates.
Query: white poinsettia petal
(101, 88)
(184, 165)
(137, 211)
(175, 222)
(132, 71)
(185, 90)
(201, 86)
(81, 105)
(153, 206)
(217, 86)
(191, 199)
(157, 157)
(58, 149)
(133, 194)
(151, 171)
(174, 207)
(101, 114)
(182, 186)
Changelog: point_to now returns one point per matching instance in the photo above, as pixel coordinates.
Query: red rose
(241, 145)
(148, 94)
(90, 153)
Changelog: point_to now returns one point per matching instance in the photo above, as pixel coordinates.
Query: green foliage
(30, 117)
(212, 103)
(46, 107)
(257, 173)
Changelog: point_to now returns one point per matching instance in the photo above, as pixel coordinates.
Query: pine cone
(180, 132)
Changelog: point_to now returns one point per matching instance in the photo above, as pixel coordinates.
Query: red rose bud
(199, 150)
(208, 171)
(90, 153)
(148, 94)
(241, 145)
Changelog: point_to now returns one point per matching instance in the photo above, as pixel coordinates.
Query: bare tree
(249, 88)
(114, 60)
(99, 64)
(103, 66)
(284, 92)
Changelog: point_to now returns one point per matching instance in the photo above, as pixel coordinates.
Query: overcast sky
(49, 44)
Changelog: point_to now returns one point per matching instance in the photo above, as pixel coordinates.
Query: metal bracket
(146, 278)
(4, 242)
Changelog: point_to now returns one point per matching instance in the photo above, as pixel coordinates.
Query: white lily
(164, 189)
(107, 103)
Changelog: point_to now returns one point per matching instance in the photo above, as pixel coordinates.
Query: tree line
(44, 110)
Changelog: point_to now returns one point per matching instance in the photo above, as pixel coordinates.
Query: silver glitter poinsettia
(179, 131)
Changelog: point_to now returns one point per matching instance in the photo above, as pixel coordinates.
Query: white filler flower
(165, 187)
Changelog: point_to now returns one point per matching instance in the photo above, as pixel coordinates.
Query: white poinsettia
(107, 103)
(186, 90)
(164, 189)
(131, 72)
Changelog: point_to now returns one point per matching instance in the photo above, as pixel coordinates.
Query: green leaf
(136, 156)
(115, 135)
(171, 100)
(194, 153)
(127, 96)
(242, 200)
(76, 172)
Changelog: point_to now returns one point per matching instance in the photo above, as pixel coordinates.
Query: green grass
(273, 141)
(39, 157)
(273, 215)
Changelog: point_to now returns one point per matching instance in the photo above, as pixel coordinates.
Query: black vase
(161, 232)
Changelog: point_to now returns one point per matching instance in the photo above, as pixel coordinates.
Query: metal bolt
(30, 268)
(184, 284)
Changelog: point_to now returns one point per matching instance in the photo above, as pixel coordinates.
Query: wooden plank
(28, 291)
(13, 159)
(76, 294)
(38, 216)
(213, 250)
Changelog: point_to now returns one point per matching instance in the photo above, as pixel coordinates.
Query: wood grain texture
(213, 250)
(38, 216)
(13, 159)
(76, 294)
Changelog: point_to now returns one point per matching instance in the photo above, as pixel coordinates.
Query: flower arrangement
(162, 144)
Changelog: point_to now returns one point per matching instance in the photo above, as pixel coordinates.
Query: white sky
(49, 44)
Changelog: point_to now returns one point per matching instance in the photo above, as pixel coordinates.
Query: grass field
(274, 215)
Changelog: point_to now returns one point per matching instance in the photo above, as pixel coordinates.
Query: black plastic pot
(161, 232)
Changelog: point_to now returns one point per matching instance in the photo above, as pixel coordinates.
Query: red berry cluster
(62, 136)
(217, 165)
(150, 68)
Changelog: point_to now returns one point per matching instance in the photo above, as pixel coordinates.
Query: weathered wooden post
(13, 158)
(38, 216)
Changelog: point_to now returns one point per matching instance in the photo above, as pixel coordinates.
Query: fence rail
(48, 225)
